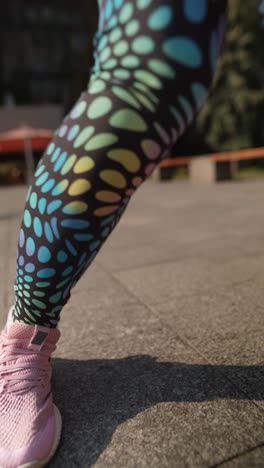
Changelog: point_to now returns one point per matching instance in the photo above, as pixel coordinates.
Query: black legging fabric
(154, 63)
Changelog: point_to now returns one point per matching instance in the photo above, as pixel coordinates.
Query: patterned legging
(154, 62)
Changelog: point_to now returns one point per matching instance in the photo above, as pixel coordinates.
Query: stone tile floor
(161, 361)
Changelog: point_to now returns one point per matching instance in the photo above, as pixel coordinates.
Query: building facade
(45, 50)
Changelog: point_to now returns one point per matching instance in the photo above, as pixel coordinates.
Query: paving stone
(140, 397)
(190, 276)
(161, 360)
(252, 459)
(227, 329)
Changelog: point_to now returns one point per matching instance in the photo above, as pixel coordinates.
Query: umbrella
(26, 140)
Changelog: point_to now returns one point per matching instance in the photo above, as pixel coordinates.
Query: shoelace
(38, 369)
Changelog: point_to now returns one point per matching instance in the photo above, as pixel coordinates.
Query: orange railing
(253, 153)
(40, 144)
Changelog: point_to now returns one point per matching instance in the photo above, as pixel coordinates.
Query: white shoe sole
(41, 463)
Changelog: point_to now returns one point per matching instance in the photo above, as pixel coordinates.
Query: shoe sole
(41, 463)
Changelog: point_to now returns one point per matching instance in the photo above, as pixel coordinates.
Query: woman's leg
(154, 65)
(154, 62)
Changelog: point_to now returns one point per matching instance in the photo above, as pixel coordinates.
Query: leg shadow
(96, 396)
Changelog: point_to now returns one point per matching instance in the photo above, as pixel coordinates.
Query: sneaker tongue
(19, 331)
(23, 331)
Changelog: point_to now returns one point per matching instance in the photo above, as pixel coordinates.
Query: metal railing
(252, 153)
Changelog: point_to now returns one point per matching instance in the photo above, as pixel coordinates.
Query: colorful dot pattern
(154, 61)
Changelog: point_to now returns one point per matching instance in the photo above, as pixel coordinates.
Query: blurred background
(46, 55)
(46, 50)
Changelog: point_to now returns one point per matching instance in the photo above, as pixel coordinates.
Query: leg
(154, 64)
(153, 67)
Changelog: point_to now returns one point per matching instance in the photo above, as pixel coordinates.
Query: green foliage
(249, 173)
(233, 115)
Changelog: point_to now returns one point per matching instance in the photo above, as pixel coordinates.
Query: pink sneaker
(30, 425)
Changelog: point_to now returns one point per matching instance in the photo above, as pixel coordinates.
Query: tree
(233, 115)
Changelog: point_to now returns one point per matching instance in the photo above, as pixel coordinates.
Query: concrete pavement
(161, 361)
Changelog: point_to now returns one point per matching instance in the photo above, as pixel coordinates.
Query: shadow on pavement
(96, 396)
